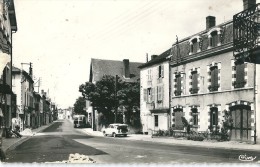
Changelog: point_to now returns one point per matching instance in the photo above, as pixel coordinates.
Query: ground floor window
(213, 116)
(178, 113)
(156, 121)
(195, 119)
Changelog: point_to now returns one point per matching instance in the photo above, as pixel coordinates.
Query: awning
(5, 89)
(166, 110)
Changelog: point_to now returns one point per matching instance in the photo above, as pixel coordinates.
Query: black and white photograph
(129, 82)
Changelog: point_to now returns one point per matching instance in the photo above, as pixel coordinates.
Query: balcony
(246, 35)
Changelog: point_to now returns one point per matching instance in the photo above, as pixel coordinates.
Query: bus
(80, 121)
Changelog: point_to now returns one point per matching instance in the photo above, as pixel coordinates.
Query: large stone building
(207, 78)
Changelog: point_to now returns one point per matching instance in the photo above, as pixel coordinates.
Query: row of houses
(20, 104)
(32, 108)
(199, 78)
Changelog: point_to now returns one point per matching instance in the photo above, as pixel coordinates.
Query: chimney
(126, 68)
(146, 57)
(210, 22)
(30, 70)
(153, 56)
(249, 3)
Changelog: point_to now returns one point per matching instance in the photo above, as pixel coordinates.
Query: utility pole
(116, 82)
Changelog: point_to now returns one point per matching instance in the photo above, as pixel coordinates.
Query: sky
(60, 37)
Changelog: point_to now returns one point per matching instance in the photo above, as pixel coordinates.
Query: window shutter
(145, 95)
(240, 73)
(158, 72)
(178, 83)
(195, 80)
(153, 97)
(162, 71)
(162, 92)
(216, 76)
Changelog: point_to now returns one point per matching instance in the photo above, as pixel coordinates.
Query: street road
(61, 139)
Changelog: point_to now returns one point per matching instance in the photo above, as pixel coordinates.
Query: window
(194, 114)
(178, 114)
(194, 82)
(159, 93)
(240, 75)
(194, 46)
(214, 85)
(156, 120)
(213, 116)
(178, 91)
(149, 74)
(148, 95)
(160, 71)
(145, 94)
(214, 39)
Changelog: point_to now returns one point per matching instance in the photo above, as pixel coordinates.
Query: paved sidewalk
(181, 141)
(12, 142)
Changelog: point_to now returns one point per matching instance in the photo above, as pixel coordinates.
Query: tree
(79, 106)
(102, 97)
(129, 98)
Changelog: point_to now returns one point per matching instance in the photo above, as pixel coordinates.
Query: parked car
(116, 129)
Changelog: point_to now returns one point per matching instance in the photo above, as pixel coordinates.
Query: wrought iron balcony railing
(246, 34)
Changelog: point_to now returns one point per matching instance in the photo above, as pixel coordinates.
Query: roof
(12, 16)
(101, 67)
(180, 51)
(162, 57)
(16, 70)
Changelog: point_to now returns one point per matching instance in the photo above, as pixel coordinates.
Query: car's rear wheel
(104, 133)
(125, 135)
(114, 134)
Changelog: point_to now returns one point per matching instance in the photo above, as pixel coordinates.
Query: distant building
(127, 71)
(23, 88)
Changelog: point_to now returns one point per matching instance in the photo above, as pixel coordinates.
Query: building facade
(8, 26)
(207, 81)
(154, 92)
(24, 90)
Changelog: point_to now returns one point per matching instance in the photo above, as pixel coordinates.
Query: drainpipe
(254, 103)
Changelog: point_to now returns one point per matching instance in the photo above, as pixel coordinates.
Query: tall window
(178, 113)
(194, 46)
(214, 39)
(177, 91)
(149, 95)
(213, 116)
(194, 114)
(214, 85)
(194, 82)
(160, 71)
(240, 75)
(159, 93)
(156, 121)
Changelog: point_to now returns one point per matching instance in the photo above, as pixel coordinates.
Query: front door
(241, 129)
